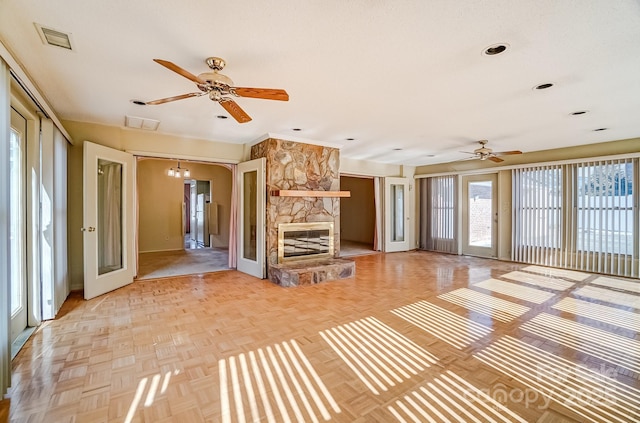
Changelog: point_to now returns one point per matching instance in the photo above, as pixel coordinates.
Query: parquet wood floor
(385, 346)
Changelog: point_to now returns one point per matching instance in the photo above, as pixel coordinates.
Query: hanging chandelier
(178, 172)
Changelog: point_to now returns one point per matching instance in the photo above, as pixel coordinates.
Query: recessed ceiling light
(221, 117)
(495, 49)
(139, 102)
(543, 86)
(600, 129)
(297, 129)
(581, 112)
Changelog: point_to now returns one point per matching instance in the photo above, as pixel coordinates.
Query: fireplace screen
(305, 240)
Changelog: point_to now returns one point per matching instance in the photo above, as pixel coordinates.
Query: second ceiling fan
(219, 88)
(485, 153)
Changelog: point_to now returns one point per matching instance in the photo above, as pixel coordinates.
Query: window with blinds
(537, 220)
(579, 216)
(438, 214)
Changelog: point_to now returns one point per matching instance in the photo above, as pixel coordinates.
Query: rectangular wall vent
(54, 37)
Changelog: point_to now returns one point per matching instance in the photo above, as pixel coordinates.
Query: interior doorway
(183, 222)
(357, 216)
(199, 214)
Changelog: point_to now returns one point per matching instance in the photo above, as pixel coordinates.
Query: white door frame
(254, 266)
(95, 284)
(399, 242)
(476, 250)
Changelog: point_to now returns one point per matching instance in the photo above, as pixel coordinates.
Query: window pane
(539, 212)
(397, 213)
(480, 214)
(249, 214)
(605, 208)
(109, 216)
(16, 234)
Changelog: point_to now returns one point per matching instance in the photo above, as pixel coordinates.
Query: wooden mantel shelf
(308, 193)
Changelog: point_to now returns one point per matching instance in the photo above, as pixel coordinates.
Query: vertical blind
(438, 214)
(579, 216)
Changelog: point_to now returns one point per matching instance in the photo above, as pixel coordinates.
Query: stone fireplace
(302, 180)
(303, 241)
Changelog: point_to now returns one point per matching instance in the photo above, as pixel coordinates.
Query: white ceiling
(391, 74)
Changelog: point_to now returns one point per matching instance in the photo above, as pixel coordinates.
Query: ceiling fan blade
(495, 159)
(264, 93)
(508, 153)
(174, 98)
(234, 110)
(177, 69)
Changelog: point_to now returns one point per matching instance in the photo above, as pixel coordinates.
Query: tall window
(578, 216)
(438, 214)
(537, 223)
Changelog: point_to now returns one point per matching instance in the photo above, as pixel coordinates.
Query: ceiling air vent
(141, 123)
(53, 37)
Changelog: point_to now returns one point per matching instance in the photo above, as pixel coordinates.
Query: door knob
(89, 229)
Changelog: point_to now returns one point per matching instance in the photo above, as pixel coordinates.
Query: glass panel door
(109, 255)
(396, 206)
(17, 234)
(251, 217)
(479, 220)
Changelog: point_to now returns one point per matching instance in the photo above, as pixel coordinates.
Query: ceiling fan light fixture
(215, 78)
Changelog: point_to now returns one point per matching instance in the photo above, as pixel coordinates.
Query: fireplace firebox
(309, 240)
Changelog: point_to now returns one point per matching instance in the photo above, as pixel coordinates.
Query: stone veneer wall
(298, 166)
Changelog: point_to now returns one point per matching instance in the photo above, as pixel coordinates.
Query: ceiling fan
(219, 87)
(485, 153)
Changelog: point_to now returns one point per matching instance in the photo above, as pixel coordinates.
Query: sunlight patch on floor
(445, 325)
(605, 314)
(510, 289)
(449, 398)
(539, 280)
(377, 354)
(592, 394)
(497, 308)
(273, 384)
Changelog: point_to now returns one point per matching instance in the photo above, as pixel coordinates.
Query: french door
(480, 215)
(17, 218)
(109, 256)
(251, 185)
(396, 214)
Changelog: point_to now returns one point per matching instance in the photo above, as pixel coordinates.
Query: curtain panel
(438, 214)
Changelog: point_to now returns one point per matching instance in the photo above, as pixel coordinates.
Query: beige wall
(126, 140)
(357, 213)
(160, 203)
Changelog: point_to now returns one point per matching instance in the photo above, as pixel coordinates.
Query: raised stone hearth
(309, 272)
